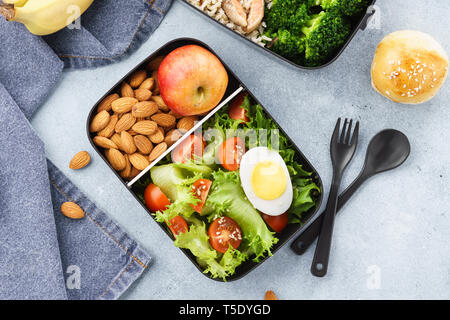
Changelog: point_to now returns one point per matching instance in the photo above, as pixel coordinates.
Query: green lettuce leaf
(196, 240)
(228, 199)
(175, 181)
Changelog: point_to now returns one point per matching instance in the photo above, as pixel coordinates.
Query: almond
(143, 144)
(72, 210)
(104, 142)
(116, 159)
(160, 102)
(155, 63)
(126, 90)
(167, 129)
(157, 136)
(176, 115)
(123, 105)
(80, 160)
(144, 109)
(106, 102)
(108, 131)
(125, 122)
(132, 132)
(139, 161)
(137, 78)
(125, 173)
(134, 172)
(127, 142)
(147, 84)
(156, 87)
(270, 295)
(172, 136)
(117, 140)
(187, 123)
(145, 127)
(142, 94)
(157, 151)
(100, 121)
(164, 120)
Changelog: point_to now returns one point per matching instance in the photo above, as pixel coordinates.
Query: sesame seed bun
(409, 67)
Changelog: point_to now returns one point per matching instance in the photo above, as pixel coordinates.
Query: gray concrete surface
(391, 241)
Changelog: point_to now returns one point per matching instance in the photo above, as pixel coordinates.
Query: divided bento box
(214, 11)
(300, 175)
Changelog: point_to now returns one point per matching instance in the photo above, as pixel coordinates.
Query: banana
(17, 3)
(44, 17)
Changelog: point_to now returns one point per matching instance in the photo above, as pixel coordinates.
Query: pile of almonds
(134, 126)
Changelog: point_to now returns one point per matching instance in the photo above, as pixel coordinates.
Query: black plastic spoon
(386, 151)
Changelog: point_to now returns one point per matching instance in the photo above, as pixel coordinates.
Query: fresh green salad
(310, 32)
(227, 191)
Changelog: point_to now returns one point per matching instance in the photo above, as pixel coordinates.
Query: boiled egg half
(266, 181)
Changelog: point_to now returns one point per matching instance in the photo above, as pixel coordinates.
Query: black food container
(235, 86)
(357, 25)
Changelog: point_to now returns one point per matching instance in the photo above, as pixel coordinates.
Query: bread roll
(409, 67)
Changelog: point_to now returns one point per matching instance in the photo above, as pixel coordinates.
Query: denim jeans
(43, 254)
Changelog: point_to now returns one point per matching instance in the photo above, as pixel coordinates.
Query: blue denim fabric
(111, 29)
(43, 254)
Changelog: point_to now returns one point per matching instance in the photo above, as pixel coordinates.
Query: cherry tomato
(155, 199)
(276, 223)
(231, 152)
(236, 112)
(224, 232)
(190, 148)
(178, 225)
(200, 189)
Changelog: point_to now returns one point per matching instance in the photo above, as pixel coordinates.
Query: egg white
(251, 158)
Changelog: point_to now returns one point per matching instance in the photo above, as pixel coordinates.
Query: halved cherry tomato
(200, 189)
(224, 232)
(178, 225)
(276, 223)
(155, 199)
(231, 152)
(190, 148)
(236, 112)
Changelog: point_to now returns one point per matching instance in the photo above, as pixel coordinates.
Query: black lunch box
(357, 25)
(234, 87)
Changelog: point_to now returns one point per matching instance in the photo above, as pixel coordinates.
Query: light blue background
(396, 227)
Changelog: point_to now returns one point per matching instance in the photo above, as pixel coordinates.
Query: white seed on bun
(409, 67)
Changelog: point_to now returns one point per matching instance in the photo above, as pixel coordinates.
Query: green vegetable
(309, 32)
(175, 181)
(196, 240)
(325, 33)
(287, 14)
(288, 44)
(350, 8)
(228, 199)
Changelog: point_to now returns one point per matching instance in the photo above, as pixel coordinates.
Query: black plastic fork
(342, 149)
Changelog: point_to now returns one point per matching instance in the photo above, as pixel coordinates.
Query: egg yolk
(268, 180)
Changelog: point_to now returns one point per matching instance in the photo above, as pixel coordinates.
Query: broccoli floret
(287, 14)
(288, 44)
(351, 8)
(325, 33)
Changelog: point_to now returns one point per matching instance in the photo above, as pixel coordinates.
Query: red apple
(192, 80)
